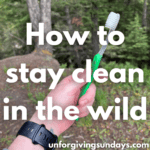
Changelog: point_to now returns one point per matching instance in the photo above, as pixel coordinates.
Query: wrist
(25, 138)
(50, 125)
(24, 143)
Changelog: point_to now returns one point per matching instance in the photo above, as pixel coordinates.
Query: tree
(136, 43)
(66, 16)
(41, 12)
(91, 19)
(144, 18)
(148, 13)
(13, 18)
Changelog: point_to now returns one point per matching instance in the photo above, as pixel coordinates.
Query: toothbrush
(111, 23)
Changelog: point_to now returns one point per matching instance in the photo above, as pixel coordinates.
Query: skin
(65, 94)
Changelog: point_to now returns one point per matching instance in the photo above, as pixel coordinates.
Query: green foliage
(147, 76)
(94, 13)
(13, 19)
(28, 86)
(111, 65)
(134, 90)
(40, 96)
(89, 15)
(101, 98)
(7, 140)
(85, 122)
(136, 43)
(63, 66)
(5, 69)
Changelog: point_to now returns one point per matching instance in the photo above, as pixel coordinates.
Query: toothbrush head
(112, 21)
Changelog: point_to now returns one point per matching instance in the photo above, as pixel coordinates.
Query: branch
(17, 38)
(11, 4)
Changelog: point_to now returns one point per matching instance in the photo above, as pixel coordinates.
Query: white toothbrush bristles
(112, 21)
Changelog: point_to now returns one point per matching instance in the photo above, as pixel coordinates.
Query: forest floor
(85, 129)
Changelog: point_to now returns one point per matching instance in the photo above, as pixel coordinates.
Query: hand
(66, 94)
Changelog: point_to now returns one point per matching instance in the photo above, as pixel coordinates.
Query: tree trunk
(148, 18)
(41, 12)
(34, 12)
(68, 18)
(144, 19)
(95, 42)
(127, 2)
(95, 38)
(75, 47)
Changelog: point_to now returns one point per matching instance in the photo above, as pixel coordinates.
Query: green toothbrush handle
(95, 64)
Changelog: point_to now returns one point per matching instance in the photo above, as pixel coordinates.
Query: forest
(81, 16)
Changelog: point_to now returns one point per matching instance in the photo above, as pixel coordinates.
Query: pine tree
(136, 43)
(13, 19)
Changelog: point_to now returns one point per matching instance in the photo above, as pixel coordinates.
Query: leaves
(82, 15)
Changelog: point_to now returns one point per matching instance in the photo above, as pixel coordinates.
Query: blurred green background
(81, 15)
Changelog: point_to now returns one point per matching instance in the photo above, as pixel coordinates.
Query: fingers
(84, 110)
(80, 76)
(70, 80)
(72, 87)
(89, 95)
(86, 100)
(66, 80)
